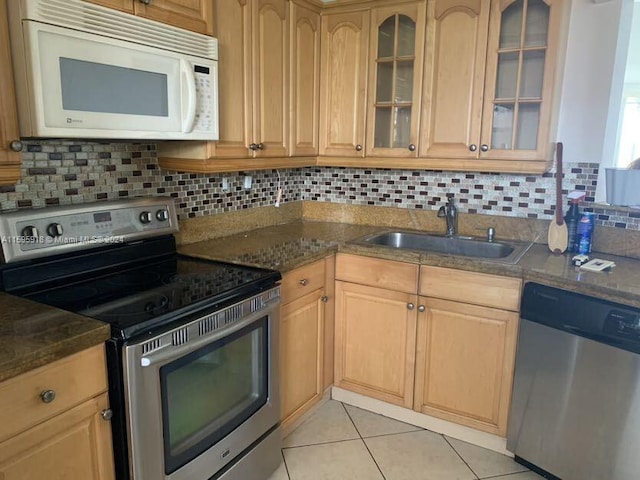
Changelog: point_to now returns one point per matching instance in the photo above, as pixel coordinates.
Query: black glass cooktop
(139, 287)
(136, 299)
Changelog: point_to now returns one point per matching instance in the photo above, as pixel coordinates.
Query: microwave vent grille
(122, 26)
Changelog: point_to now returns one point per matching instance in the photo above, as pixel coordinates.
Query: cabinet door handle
(412, 147)
(410, 306)
(16, 146)
(421, 308)
(473, 147)
(484, 147)
(324, 299)
(303, 282)
(253, 146)
(47, 396)
(358, 148)
(146, 2)
(260, 146)
(106, 414)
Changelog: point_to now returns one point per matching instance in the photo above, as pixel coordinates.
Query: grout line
(418, 429)
(321, 443)
(461, 458)
(510, 474)
(286, 469)
(351, 419)
(363, 442)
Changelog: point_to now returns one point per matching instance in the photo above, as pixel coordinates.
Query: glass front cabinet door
(518, 114)
(395, 79)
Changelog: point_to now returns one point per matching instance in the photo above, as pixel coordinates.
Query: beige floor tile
(483, 462)
(348, 460)
(418, 455)
(280, 473)
(330, 423)
(371, 424)
(520, 476)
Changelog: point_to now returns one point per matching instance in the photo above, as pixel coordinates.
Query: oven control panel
(26, 234)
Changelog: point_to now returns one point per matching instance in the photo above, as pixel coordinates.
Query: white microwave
(86, 71)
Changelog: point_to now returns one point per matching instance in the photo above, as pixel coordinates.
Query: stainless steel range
(193, 358)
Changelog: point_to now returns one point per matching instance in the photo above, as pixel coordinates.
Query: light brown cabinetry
(194, 15)
(10, 145)
(252, 82)
(495, 102)
(465, 353)
(55, 421)
(395, 79)
(343, 91)
(305, 80)
(254, 91)
(375, 328)
(442, 343)
(304, 316)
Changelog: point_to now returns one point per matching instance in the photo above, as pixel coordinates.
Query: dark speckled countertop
(285, 247)
(32, 335)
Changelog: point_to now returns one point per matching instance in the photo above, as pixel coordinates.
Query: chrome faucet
(450, 213)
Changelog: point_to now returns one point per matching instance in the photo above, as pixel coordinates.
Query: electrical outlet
(248, 181)
(225, 184)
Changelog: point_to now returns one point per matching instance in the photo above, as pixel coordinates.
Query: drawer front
(471, 287)
(375, 272)
(302, 280)
(73, 379)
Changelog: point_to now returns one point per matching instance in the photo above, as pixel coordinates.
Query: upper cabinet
(494, 100)
(343, 91)
(519, 88)
(466, 85)
(10, 145)
(454, 83)
(194, 15)
(270, 62)
(395, 79)
(304, 80)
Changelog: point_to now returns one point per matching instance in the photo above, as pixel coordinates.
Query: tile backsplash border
(65, 172)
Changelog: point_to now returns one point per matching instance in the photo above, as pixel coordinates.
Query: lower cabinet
(464, 363)
(375, 342)
(73, 445)
(437, 340)
(303, 338)
(54, 421)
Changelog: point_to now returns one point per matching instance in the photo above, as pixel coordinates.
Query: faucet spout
(450, 213)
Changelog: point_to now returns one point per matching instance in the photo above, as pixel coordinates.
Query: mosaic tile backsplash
(72, 172)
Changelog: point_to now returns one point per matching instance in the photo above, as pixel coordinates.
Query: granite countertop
(32, 334)
(285, 247)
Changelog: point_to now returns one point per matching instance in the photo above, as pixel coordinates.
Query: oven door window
(210, 392)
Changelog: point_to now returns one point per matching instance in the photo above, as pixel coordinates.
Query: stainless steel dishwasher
(575, 412)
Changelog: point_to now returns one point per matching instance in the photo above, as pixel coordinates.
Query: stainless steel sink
(498, 250)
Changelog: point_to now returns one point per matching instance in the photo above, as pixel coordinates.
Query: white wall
(586, 89)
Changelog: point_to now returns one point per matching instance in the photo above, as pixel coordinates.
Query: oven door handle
(171, 352)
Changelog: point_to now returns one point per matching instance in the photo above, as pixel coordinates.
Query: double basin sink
(503, 251)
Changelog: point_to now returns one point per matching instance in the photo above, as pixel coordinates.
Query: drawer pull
(324, 299)
(47, 396)
(303, 282)
(106, 414)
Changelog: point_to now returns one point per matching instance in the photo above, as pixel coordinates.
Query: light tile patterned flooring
(343, 442)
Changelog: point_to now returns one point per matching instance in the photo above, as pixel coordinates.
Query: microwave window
(97, 87)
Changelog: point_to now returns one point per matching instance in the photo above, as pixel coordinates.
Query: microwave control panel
(205, 92)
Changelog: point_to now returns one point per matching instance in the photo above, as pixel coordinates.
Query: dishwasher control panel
(606, 322)
(625, 324)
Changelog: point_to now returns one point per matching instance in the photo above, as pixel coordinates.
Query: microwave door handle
(189, 79)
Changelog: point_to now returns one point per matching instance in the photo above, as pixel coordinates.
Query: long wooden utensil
(558, 234)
